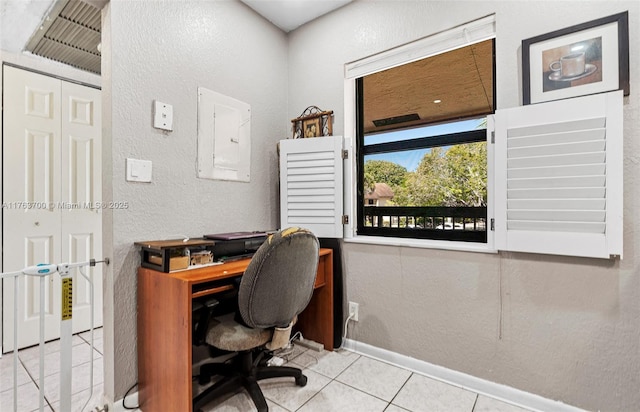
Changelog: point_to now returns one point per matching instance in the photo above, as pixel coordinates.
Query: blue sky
(411, 159)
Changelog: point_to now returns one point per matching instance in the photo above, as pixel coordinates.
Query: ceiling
(420, 93)
(18, 20)
(70, 34)
(290, 14)
(68, 31)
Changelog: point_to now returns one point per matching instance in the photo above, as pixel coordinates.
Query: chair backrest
(278, 283)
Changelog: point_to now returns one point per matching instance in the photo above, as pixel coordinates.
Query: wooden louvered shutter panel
(311, 193)
(559, 177)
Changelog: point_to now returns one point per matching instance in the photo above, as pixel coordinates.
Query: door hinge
(345, 219)
(345, 154)
(493, 136)
(493, 224)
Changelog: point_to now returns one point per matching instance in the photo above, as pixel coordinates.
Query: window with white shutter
(559, 177)
(311, 193)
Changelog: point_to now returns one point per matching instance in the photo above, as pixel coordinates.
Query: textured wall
(165, 51)
(564, 328)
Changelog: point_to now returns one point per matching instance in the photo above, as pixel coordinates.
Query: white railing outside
(66, 331)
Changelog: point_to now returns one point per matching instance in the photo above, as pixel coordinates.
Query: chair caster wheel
(301, 381)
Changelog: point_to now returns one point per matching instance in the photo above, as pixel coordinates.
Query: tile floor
(337, 381)
(29, 373)
(343, 381)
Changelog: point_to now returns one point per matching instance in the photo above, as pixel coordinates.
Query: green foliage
(424, 187)
(467, 175)
(383, 171)
(369, 181)
(453, 177)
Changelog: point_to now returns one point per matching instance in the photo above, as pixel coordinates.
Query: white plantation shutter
(559, 177)
(311, 185)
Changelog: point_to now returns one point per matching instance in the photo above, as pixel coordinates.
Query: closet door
(81, 189)
(31, 189)
(51, 189)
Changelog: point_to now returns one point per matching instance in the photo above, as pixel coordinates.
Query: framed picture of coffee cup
(588, 58)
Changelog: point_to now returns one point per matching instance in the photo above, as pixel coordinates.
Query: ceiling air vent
(70, 34)
(396, 119)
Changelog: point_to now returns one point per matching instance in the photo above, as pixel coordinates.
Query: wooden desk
(164, 326)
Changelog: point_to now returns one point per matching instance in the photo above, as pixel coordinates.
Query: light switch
(139, 170)
(163, 115)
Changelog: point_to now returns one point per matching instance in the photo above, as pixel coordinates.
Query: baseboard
(484, 387)
(132, 400)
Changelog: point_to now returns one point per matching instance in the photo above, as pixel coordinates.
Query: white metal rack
(43, 271)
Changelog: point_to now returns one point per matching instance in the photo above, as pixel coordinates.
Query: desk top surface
(181, 243)
(214, 272)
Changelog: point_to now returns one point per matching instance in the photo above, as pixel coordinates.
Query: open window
(552, 171)
(420, 122)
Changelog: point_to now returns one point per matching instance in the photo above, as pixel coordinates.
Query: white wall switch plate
(162, 115)
(139, 170)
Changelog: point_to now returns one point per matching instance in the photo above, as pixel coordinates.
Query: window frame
(463, 35)
(363, 150)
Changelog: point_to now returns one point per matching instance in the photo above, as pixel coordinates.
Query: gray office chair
(276, 286)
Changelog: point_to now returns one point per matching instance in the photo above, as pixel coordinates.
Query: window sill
(422, 243)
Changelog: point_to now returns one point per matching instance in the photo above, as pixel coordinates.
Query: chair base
(243, 372)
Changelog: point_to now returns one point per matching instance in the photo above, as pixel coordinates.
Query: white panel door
(48, 165)
(81, 192)
(31, 187)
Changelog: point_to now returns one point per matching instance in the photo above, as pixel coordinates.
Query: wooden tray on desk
(156, 254)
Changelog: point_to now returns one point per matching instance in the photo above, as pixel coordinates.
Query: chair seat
(227, 334)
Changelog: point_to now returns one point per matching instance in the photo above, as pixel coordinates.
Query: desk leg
(164, 342)
(316, 321)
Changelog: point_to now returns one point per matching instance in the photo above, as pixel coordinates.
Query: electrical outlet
(353, 311)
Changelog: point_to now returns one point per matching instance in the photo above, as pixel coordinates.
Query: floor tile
(98, 345)
(486, 404)
(289, 355)
(338, 397)
(337, 381)
(240, 402)
(98, 340)
(79, 355)
(28, 399)
(284, 391)
(425, 394)
(394, 408)
(329, 364)
(79, 400)
(97, 334)
(374, 377)
(6, 373)
(80, 380)
(33, 352)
